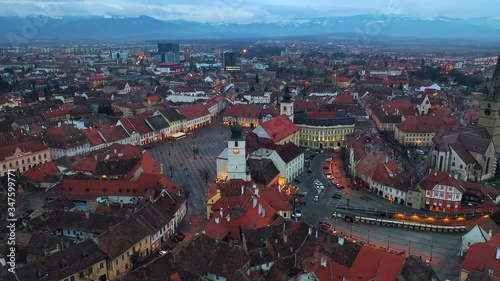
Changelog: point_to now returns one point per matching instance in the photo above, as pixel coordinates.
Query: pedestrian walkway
(192, 169)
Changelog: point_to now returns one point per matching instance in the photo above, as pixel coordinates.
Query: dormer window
(236, 144)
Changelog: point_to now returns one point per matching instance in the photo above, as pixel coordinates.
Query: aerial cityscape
(247, 140)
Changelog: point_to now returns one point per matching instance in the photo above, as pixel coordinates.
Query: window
(101, 265)
(39, 157)
(123, 257)
(45, 155)
(116, 262)
(90, 270)
(236, 144)
(80, 274)
(72, 278)
(117, 272)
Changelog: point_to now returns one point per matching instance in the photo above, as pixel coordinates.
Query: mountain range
(363, 27)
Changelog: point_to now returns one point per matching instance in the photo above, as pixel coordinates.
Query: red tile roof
(428, 124)
(374, 264)
(60, 112)
(86, 165)
(482, 256)
(194, 111)
(93, 135)
(145, 185)
(245, 110)
(38, 172)
(279, 128)
(30, 146)
(344, 99)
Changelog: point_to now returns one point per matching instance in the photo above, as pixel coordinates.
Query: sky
(243, 11)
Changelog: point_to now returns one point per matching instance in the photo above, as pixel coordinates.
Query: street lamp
(369, 232)
(388, 242)
(350, 226)
(432, 250)
(409, 248)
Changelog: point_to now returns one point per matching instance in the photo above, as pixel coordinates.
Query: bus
(178, 136)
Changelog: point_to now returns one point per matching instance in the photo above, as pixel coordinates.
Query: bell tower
(236, 155)
(286, 105)
(489, 115)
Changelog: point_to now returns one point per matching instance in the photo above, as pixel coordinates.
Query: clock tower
(489, 115)
(286, 106)
(236, 155)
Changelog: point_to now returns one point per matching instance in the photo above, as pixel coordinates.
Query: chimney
(107, 202)
(254, 202)
(46, 252)
(151, 198)
(110, 227)
(257, 192)
(221, 212)
(121, 204)
(95, 157)
(284, 238)
(316, 233)
(87, 214)
(217, 220)
(498, 253)
(284, 227)
(490, 233)
(229, 217)
(310, 231)
(115, 150)
(203, 232)
(242, 189)
(260, 208)
(456, 176)
(263, 212)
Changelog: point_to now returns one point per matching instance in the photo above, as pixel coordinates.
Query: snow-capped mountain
(141, 28)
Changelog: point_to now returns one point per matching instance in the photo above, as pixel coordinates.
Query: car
(297, 180)
(175, 240)
(325, 224)
(297, 213)
(181, 234)
(180, 237)
(339, 186)
(316, 198)
(328, 159)
(320, 187)
(170, 247)
(309, 171)
(162, 253)
(420, 152)
(336, 196)
(301, 194)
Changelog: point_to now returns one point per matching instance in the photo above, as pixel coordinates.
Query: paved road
(445, 246)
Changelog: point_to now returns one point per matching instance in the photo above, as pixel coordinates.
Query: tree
(257, 80)
(252, 89)
(105, 109)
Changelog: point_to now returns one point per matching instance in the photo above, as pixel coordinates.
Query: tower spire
(494, 89)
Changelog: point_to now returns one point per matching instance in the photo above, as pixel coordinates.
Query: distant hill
(363, 27)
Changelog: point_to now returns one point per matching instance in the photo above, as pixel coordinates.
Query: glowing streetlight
(388, 242)
(369, 232)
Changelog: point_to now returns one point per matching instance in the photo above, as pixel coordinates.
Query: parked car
(162, 253)
(170, 247)
(309, 171)
(301, 194)
(175, 240)
(316, 198)
(297, 213)
(181, 234)
(336, 196)
(180, 237)
(297, 180)
(325, 224)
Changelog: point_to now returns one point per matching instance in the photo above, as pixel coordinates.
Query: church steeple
(286, 105)
(494, 88)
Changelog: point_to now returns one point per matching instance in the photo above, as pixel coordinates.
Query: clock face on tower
(236, 151)
(487, 111)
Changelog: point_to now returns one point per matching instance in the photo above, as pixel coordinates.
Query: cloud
(247, 10)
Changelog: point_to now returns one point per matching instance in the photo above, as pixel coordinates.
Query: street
(443, 247)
